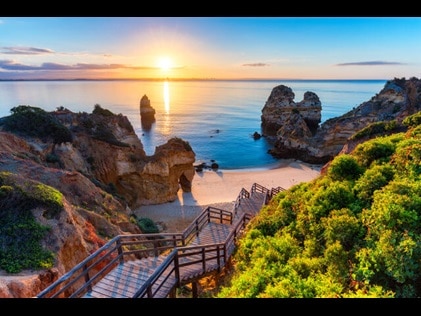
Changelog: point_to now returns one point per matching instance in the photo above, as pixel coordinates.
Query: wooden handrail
(81, 278)
(84, 275)
(170, 263)
(187, 255)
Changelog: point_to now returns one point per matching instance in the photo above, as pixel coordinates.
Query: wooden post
(194, 289)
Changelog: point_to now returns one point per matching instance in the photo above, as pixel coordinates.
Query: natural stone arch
(185, 180)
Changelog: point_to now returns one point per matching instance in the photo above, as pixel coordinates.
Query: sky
(210, 47)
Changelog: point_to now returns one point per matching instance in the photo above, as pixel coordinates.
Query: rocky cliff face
(281, 110)
(102, 173)
(107, 149)
(294, 137)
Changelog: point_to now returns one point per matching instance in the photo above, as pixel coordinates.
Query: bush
(147, 226)
(344, 167)
(100, 111)
(20, 233)
(412, 120)
(377, 128)
(377, 150)
(373, 179)
(33, 121)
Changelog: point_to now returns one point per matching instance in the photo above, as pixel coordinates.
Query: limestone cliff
(294, 137)
(280, 108)
(107, 149)
(102, 171)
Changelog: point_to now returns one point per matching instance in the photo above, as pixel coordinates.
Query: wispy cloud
(371, 63)
(25, 51)
(256, 65)
(15, 66)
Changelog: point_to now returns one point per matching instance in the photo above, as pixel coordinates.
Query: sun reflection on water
(166, 97)
(166, 128)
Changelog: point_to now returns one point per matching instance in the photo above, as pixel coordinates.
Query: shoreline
(220, 188)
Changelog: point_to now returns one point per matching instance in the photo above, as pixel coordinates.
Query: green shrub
(373, 179)
(412, 120)
(101, 111)
(377, 150)
(147, 226)
(335, 196)
(377, 128)
(344, 167)
(33, 121)
(407, 158)
(20, 234)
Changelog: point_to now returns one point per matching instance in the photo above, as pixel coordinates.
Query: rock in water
(147, 112)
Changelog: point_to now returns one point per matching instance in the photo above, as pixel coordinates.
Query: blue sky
(210, 47)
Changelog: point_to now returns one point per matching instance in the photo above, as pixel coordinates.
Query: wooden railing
(244, 194)
(81, 278)
(276, 190)
(167, 268)
(172, 248)
(211, 257)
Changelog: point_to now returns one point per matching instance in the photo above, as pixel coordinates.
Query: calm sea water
(217, 118)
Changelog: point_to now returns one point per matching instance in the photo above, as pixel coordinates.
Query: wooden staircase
(155, 265)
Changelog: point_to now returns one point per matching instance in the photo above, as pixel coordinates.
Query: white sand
(220, 188)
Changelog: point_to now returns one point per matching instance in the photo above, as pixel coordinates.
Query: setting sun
(165, 63)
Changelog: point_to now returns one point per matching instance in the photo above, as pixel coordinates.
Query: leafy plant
(352, 232)
(147, 225)
(33, 121)
(20, 234)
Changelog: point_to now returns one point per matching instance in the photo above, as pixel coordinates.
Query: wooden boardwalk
(154, 265)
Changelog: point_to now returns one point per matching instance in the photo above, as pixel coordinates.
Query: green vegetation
(20, 234)
(355, 231)
(101, 111)
(35, 122)
(377, 128)
(97, 125)
(147, 225)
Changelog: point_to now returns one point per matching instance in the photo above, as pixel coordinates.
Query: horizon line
(189, 79)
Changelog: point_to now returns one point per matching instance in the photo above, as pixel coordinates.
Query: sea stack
(147, 112)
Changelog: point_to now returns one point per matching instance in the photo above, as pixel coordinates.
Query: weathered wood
(202, 249)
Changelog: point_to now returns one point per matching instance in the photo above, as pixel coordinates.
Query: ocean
(216, 117)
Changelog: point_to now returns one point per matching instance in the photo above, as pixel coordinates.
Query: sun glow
(165, 63)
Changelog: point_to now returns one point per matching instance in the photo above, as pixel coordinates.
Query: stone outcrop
(281, 110)
(102, 173)
(147, 112)
(295, 138)
(107, 149)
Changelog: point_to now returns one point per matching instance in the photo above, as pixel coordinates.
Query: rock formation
(147, 112)
(280, 109)
(102, 173)
(108, 149)
(296, 135)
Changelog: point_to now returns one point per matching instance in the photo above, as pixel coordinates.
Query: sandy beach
(220, 188)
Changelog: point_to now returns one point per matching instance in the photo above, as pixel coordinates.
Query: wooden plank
(110, 292)
(130, 276)
(123, 281)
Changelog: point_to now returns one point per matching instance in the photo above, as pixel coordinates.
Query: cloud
(26, 51)
(371, 63)
(11, 65)
(256, 65)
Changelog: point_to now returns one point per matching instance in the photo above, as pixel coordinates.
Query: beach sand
(220, 188)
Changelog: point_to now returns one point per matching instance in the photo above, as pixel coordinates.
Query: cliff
(296, 134)
(97, 162)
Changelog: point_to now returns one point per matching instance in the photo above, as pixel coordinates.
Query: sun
(165, 63)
